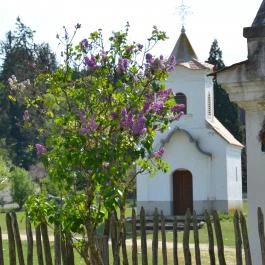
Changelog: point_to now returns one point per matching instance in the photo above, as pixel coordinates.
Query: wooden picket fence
(114, 247)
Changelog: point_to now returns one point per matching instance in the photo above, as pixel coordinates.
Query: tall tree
(24, 59)
(225, 110)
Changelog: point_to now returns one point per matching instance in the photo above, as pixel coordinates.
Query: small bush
(22, 186)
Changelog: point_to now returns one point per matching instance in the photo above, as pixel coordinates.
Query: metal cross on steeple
(183, 11)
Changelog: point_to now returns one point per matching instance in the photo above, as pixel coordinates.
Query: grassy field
(229, 255)
(226, 224)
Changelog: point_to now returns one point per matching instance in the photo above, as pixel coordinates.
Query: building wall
(234, 178)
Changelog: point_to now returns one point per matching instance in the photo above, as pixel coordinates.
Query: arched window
(181, 99)
(209, 106)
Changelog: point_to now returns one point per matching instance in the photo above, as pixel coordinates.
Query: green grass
(230, 255)
(226, 224)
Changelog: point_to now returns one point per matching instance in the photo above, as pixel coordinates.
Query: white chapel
(204, 157)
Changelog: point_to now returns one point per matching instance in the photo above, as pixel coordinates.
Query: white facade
(197, 143)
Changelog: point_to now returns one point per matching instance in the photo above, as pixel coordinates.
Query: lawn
(226, 224)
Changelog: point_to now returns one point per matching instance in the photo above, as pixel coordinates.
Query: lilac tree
(99, 126)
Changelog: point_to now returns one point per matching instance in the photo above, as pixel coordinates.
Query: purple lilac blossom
(40, 149)
(87, 126)
(177, 108)
(139, 125)
(91, 63)
(157, 106)
(159, 153)
(164, 94)
(149, 58)
(114, 115)
(140, 46)
(171, 64)
(178, 116)
(84, 43)
(123, 64)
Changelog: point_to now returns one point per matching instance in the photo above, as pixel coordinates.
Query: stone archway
(182, 192)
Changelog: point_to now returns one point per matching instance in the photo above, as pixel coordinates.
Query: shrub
(22, 185)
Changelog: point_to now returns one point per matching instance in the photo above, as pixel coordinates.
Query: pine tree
(226, 111)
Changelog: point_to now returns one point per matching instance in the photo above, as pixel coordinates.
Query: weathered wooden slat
(155, 238)
(261, 234)
(238, 241)
(105, 250)
(29, 242)
(1, 248)
(115, 240)
(164, 240)
(186, 238)
(219, 238)
(143, 237)
(63, 250)
(196, 239)
(175, 242)
(134, 239)
(245, 240)
(17, 239)
(210, 237)
(39, 245)
(57, 245)
(46, 244)
(11, 240)
(69, 251)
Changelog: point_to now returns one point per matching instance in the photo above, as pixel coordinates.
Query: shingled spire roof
(260, 17)
(183, 50)
(185, 55)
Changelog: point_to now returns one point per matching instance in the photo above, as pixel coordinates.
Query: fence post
(219, 238)
(186, 236)
(261, 234)
(57, 245)
(17, 238)
(210, 237)
(69, 250)
(164, 240)
(244, 230)
(175, 242)
(134, 239)
(46, 243)
(29, 242)
(143, 237)
(123, 243)
(115, 240)
(39, 245)
(238, 240)
(155, 238)
(1, 248)
(11, 240)
(196, 239)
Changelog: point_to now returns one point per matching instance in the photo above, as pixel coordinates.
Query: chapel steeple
(260, 17)
(183, 50)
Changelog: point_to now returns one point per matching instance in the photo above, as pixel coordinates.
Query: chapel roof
(260, 17)
(223, 132)
(185, 54)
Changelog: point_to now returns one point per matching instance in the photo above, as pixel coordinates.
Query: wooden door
(182, 192)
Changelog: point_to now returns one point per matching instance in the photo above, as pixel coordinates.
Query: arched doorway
(182, 192)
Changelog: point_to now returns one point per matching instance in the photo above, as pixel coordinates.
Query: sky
(223, 20)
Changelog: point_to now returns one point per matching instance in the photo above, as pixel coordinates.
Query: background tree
(227, 112)
(25, 59)
(21, 185)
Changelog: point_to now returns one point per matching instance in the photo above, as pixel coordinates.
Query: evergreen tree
(25, 59)
(226, 111)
